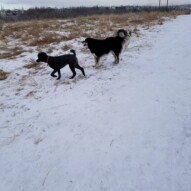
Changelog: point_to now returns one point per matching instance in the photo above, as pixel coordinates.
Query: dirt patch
(3, 75)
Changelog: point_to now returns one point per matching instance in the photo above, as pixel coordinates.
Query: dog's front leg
(59, 75)
(97, 65)
(53, 73)
(116, 56)
(116, 59)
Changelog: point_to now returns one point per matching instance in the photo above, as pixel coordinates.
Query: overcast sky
(11, 4)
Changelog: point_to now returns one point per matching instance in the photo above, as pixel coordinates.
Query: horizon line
(32, 7)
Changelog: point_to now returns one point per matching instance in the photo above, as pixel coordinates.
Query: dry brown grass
(30, 94)
(3, 75)
(33, 65)
(1, 25)
(11, 53)
(47, 33)
(66, 47)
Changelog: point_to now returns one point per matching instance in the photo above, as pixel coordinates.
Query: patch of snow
(124, 127)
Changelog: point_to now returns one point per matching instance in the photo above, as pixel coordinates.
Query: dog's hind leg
(72, 68)
(53, 73)
(82, 70)
(79, 67)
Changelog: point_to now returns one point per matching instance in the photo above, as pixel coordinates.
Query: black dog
(59, 62)
(112, 44)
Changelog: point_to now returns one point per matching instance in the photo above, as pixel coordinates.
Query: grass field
(18, 38)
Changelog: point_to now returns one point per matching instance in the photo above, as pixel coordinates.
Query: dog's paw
(71, 77)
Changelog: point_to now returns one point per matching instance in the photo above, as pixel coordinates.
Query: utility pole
(159, 3)
(167, 5)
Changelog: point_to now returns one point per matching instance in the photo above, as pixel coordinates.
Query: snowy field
(124, 127)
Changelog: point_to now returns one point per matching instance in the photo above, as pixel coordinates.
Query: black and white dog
(114, 45)
(58, 62)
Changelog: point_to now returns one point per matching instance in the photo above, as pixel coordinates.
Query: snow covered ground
(124, 127)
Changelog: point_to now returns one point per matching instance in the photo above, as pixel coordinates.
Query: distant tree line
(51, 13)
(55, 13)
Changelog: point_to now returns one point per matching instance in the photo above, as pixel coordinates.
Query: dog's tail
(73, 51)
(123, 33)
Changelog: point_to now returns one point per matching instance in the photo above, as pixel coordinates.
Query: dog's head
(123, 33)
(42, 57)
(86, 41)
